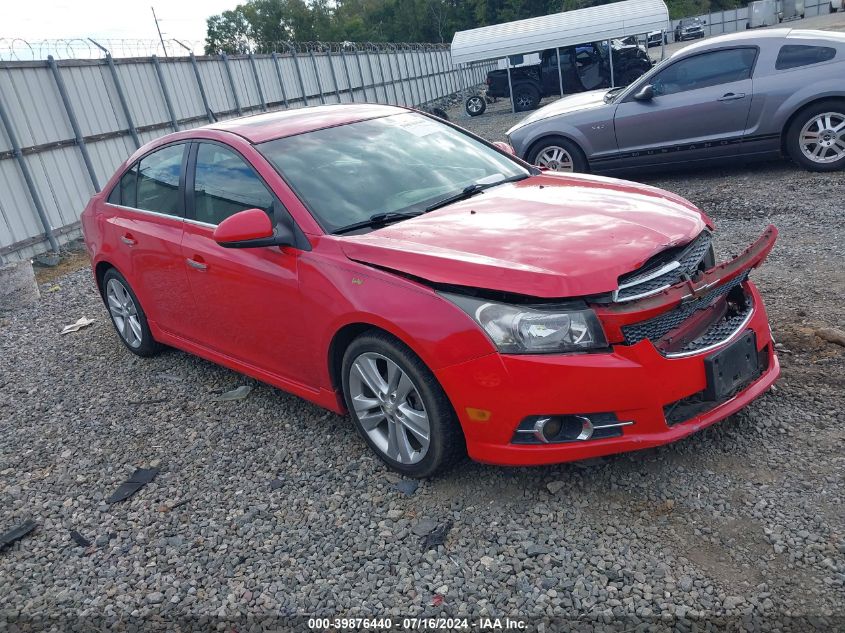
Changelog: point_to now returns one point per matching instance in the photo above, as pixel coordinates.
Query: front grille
(721, 330)
(697, 404)
(644, 282)
(658, 327)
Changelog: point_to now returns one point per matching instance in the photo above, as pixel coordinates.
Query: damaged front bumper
(660, 381)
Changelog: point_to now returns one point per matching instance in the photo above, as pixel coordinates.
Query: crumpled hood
(566, 105)
(549, 236)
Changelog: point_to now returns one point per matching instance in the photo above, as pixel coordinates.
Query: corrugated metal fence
(65, 126)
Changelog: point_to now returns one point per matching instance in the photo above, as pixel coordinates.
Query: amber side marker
(478, 415)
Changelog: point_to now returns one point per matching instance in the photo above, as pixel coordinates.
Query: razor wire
(21, 49)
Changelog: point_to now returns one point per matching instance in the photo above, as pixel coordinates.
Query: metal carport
(558, 30)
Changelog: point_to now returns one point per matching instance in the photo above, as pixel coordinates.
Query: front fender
(338, 293)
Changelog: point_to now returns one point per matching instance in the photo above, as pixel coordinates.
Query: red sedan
(451, 297)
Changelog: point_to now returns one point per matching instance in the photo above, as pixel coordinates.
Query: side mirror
(251, 229)
(504, 147)
(646, 93)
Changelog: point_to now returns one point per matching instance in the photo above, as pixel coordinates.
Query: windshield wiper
(470, 190)
(377, 219)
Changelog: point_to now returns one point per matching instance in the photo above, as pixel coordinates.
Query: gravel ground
(269, 506)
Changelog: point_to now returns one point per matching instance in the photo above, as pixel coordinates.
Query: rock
(18, 288)
(424, 527)
(536, 550)
(831, 335)
(555, 486)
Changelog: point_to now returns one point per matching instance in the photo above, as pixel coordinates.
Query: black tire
(579, 161)
(793, 132)
(148, 346)
(475, 105)
(525, 97)
(446, 439)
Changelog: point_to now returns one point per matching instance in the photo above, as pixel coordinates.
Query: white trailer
(762, 13)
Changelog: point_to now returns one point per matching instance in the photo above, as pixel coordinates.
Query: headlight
(533, 330)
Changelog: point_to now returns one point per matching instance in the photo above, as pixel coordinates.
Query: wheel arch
(801, 108)
(100, 270)
(552, 135)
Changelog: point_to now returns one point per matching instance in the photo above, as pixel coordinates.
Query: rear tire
(813, 140)
(408, 420)
(525, 97)
(127, 315)
(558, 154)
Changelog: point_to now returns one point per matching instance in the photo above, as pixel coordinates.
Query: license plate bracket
(731, 368)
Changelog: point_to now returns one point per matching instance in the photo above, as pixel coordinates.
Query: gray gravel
(269, 506)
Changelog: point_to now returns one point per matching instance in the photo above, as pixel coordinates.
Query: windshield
(403, 163)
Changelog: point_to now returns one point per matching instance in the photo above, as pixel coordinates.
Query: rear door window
(796, 55)
(159, 176)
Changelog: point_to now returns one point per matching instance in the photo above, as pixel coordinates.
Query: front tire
(398, 406)
(127, 315)
(558, 154)
(816, 137)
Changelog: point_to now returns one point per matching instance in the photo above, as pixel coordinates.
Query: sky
(107, 19)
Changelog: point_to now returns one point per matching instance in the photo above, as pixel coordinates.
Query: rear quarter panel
(778, 94)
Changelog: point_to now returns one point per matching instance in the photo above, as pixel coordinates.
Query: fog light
(547, 429)
(558, 429)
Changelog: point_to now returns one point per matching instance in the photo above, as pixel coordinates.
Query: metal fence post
(610, 57)
(361, 73)
(346, 71)
(275, 59)
(225, 59)
(559, 70)
(166, 94)
(317, 75)
(74, 124)
(257, 82)
(27, 177)
(122, 98)
(414, 100)
(208, 112)
(383, 79)
(390, 47)
(372, 73)
(292, 49)
(334, 75)
(419, 75)
(510, 87)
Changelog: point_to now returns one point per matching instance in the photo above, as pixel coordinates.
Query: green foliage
(262, 25)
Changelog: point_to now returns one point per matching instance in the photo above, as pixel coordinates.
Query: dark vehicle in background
(657, 38)
(584, 67)
(689, 29)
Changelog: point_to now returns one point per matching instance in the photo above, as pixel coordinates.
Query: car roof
(272, 125)
(759, 37)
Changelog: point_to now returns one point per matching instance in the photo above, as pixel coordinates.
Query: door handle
(197, 264)
(127, 239)
(732, 96)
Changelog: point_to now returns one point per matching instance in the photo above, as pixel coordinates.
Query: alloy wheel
(389, 408)
(555, 158)
(523, 101)
(822, 139)
(124, 313)
(474, 105)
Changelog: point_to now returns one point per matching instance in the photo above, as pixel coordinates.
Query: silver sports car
(774, 92)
